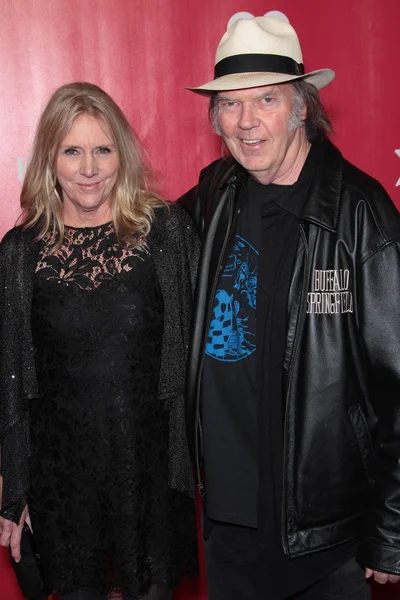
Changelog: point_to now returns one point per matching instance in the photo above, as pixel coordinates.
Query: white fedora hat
(260, 51)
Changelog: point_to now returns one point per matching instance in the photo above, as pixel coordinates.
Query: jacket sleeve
(191, 203)
(15, 375)
(175, 248)
(380, 330)
(188, 247)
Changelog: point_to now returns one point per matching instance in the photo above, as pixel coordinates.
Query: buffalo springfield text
(330, 292)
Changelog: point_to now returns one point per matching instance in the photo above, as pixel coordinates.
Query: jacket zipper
(295, 352)
(200, 484)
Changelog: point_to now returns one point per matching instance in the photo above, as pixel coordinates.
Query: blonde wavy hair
(41, 197)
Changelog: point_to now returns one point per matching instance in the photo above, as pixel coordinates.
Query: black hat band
(256, 63)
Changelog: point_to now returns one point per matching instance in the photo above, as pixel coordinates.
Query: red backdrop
(143, 52)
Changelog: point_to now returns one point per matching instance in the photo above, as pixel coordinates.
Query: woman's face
(87, 169)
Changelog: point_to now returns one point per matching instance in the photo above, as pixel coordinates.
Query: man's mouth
(251, 142)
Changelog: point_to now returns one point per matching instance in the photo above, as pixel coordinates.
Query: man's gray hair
(317, 123)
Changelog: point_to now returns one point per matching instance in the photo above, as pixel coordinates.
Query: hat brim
(241, 81)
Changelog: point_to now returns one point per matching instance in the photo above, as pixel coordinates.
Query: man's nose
(248, 117)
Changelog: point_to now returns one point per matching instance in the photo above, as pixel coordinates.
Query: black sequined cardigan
(174, 246)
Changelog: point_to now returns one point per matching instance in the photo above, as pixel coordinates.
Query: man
(294, 371)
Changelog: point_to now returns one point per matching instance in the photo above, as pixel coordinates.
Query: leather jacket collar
(322, 205)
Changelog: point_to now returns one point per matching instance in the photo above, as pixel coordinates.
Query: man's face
(254, 124)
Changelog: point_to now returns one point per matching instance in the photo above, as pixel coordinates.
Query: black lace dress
(102, 512)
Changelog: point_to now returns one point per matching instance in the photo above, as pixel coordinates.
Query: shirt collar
(290, 197)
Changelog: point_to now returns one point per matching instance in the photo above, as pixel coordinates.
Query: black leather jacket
(342, 357)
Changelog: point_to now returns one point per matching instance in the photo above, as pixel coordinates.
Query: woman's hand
(10, 533)
(381, 577)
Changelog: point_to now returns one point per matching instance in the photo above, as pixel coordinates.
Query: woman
(95, 306)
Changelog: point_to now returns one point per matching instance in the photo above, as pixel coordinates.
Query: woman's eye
(70, 151)
(104, 150)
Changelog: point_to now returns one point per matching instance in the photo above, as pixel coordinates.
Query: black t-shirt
(229, 398)
(229, 402)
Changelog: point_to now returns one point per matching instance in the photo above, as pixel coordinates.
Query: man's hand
(10, 533)
(381, 577)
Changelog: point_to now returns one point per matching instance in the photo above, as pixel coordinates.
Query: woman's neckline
(88, 228)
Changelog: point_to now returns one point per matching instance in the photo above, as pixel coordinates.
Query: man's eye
(228, 104)
(267, 99)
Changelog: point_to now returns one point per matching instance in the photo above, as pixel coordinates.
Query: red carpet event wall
(144, 53)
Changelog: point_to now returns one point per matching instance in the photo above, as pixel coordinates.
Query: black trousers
(156, 593)
(232, 570)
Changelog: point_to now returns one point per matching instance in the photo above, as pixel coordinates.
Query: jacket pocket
(364, 441)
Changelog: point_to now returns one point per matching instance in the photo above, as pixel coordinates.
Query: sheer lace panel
(87, 257)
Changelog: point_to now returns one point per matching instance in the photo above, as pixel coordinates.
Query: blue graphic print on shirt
(231, 336)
